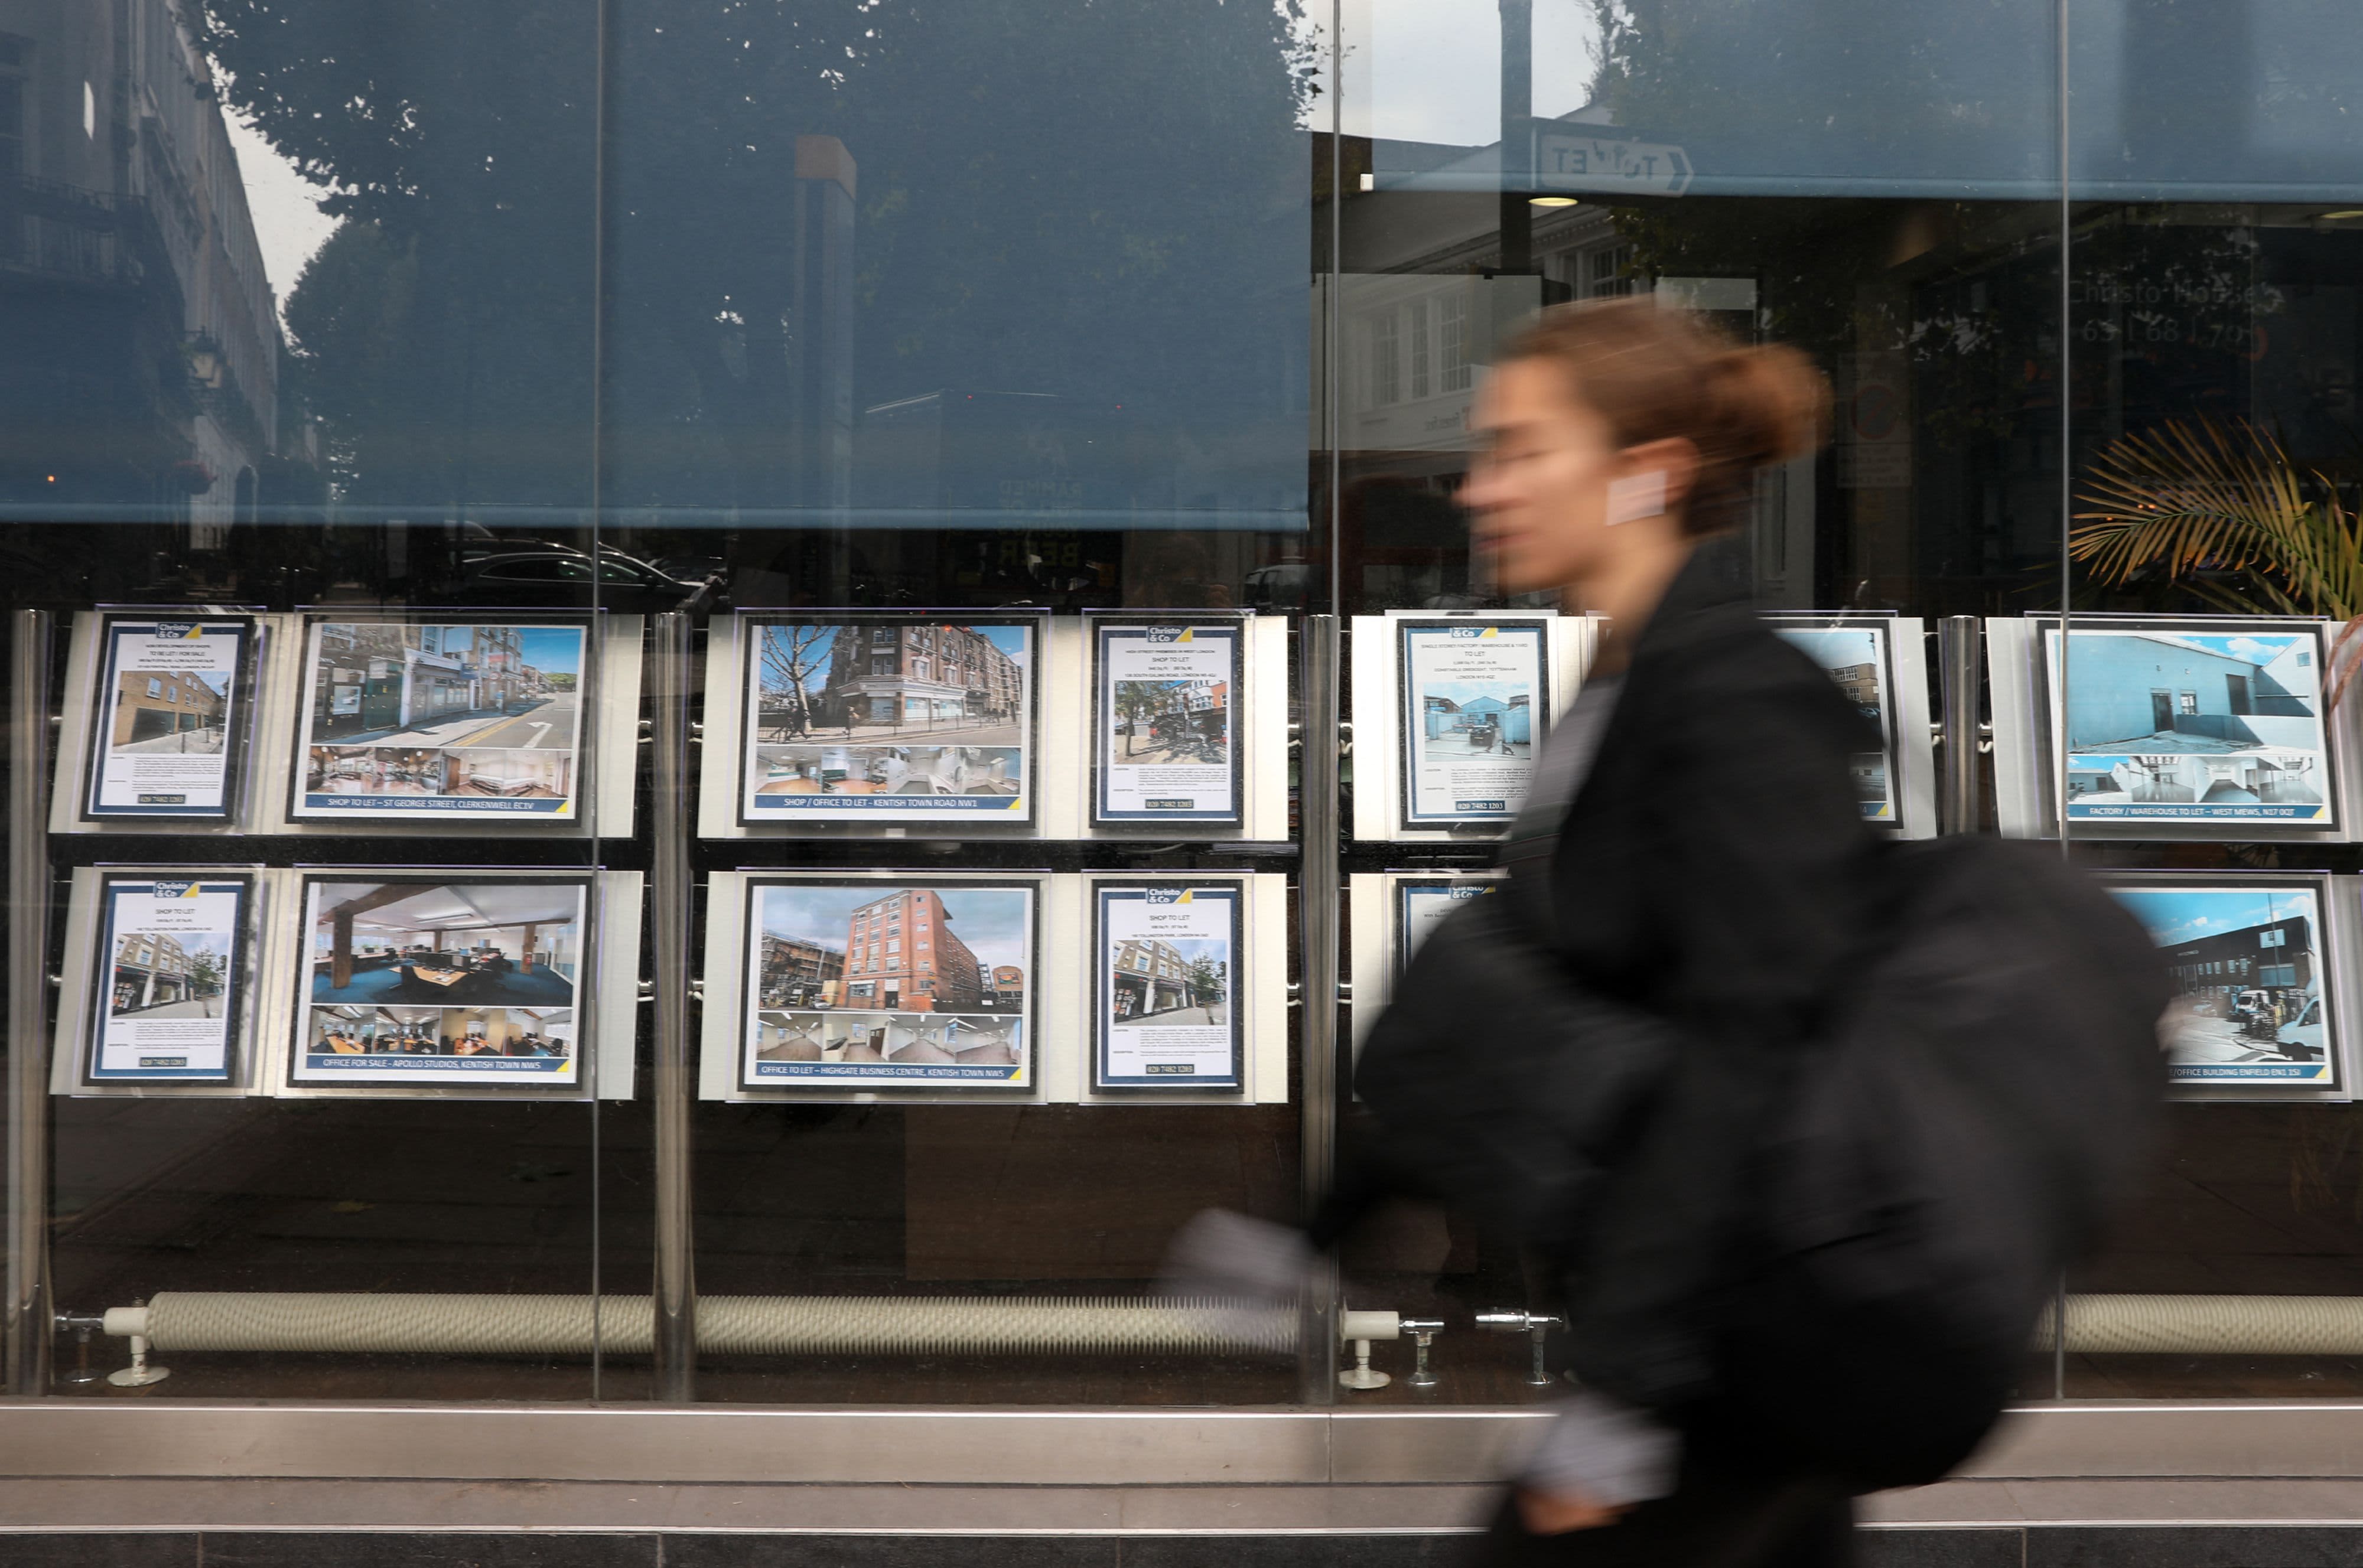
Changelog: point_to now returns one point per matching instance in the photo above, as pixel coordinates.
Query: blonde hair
(1657, 373)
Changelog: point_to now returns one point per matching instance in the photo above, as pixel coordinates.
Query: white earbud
(1636, 497)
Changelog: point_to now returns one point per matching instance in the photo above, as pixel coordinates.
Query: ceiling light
(1551, 201)
(2350, 213)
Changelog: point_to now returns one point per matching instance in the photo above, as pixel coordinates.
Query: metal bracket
(1534, 1326)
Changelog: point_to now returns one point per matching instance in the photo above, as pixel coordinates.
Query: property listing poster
(2193, 725)
(889, 719)
(173, 960)
(1164, 715)
(1168, 1003)
(1855, 658)
(442, 981)
(171, 703)
(446, 719)
(1476, 696)
(1421, 906)
(875, 982)
(2252, 1007)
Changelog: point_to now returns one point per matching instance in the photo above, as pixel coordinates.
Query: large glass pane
(295, 310)
(1874, 184)
(951, 309)
(2214, 322)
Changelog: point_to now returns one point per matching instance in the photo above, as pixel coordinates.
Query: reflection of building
(163, 702)
(900, 952)
(795, 969)
(386, 676)
(1149, 976)
(1860, 682)
(152, 970)
(903, 674)
(2276, 956)
(139, 341)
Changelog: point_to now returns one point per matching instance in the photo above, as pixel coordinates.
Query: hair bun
(1770, 401)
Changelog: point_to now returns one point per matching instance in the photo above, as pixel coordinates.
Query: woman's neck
(1627, 590)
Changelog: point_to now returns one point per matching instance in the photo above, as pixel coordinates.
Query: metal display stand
(2028, 772)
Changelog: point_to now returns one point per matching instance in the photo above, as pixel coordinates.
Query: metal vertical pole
(1317, 906)
(1960, 644)
(2067, 565)
(1517, 174)
(668, 900)
(28, 995)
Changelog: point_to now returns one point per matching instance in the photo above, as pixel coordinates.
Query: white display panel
(1389, 914)
(1063, 756)
(2263, 977)
(1058, 1008)
(1880, 662)
(1488, 684)
(2178, 727)
(161, 988)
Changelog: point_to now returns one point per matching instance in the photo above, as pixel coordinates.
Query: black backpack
(1843, 1247)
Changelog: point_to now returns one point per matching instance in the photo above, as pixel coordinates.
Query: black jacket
(1699, 911)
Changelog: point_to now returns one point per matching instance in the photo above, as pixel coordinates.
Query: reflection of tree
(1205, 979)
(1078, 197)
(205, 975)
(793, 656)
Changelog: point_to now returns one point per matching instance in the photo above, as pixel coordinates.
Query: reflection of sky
(553, 650)
(2176, 915)
(1836, 650)
(990, 921)
(1467, 692)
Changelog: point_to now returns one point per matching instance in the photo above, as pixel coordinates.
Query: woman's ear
(1654, 478)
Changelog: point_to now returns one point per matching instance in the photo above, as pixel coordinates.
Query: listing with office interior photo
(441, 719)
(865, 982)
(888, 719)
(172, 700)
(1168, 1008)
(1476, 700)
(427, 981)
(172, 965)
(2195, 724)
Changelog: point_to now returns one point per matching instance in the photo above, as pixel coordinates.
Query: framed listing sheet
(886, 719)
(1421, 904)
(1165, 743)
(441, 980)
(1166, 1004)
(169, 733)
(2206, 723)
(1475, 700)
(170, 978)
(2252, 975)
(441, 718)
(861, 982)
(1860, 657)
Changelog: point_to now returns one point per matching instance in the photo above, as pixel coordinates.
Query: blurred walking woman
(1691, 852)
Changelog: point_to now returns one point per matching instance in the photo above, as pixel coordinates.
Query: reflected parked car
(558, 577)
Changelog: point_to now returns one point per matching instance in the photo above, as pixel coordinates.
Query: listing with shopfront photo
(173, 980)
(176, 701)
(453, 720)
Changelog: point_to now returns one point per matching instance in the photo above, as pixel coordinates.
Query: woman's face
(1538, 492)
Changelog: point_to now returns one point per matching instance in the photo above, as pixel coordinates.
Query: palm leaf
(2222, 499)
